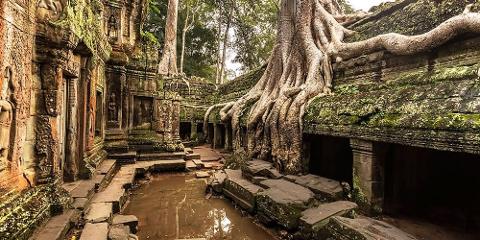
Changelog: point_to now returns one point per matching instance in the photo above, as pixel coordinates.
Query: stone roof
(409, 17)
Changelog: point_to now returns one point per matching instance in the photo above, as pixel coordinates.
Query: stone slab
(314, 219)
(241, 190)
(342, 228)
(324, 188)
(261, 169)
(202, 174)
(129, 220)
(85, 189)
(113, 194)
(193, 156)
(57, 227)
(190, 165)
(106, 167)
(80, 203)
(217, 181)
(283, 202)
(97, 231)
(119, 232)
(99, 212)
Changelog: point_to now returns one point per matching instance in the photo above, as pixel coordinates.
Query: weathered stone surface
(84, 190)
(262, 169)
(202, 174)
(56, 227)
(97, 231)
(314, 219)
(324, 188)
(99, 212)
(80, 203)
(119, 232)
(129, 220)
(241, 190)
(364, 229)
(283, 202)
(217, 181)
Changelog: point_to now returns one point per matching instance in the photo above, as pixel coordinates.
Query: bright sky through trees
(366, 4)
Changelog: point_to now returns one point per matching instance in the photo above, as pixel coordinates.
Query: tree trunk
(168, 63)
(219, 47)
(225, 47)
(309, 38)
(184, 34)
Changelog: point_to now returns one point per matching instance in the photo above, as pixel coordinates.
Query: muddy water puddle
(173, 206)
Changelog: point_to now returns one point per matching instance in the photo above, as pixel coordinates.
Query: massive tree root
(309, 39)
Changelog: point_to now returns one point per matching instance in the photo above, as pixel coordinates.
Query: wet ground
(173, 206)
(424, 230)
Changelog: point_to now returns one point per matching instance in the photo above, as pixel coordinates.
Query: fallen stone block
(119, 232)
(129, 220)
(217, 181)
(342, 228)
(261, 169)
(313, 220)
(324, 188)
(241, 190)
(95, 231)
(283, 202)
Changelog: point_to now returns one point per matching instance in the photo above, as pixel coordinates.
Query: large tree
(168, 63)
(309, 39)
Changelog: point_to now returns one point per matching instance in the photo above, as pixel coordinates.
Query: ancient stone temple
(75, 83)
(391, 153)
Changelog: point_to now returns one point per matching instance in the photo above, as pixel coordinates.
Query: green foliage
(200, 46)
(84, 20)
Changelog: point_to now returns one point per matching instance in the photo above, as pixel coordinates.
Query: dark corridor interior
(438, 186)
(185, 130)
(330, 157)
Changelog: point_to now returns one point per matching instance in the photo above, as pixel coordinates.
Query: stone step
(160, 156)
(315, 219)
(241, 190)
(324, 188)
(99, 212)
(202, 174)
(124, 158)
(84, 189)
(57, 227)
(188, 150)
(283, 202)
(97, 231)
(342, 228)
(162, 165)
(261, 169)
(114, 195)
(107, 167)
(192, 156)
(190, 165)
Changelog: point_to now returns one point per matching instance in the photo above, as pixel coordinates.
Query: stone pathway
(309, 206)
(98, 202)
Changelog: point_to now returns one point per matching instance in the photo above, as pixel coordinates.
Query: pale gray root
(309, 39)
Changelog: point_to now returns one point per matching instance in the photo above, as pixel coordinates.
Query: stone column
(47, 143)
(71, 162)
(193, 130)
(367, 176)
(217, 136)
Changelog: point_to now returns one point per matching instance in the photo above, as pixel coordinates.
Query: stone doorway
(435, 186)
(143, 112)
(329, 157)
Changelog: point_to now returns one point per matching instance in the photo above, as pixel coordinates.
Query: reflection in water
(174, 207)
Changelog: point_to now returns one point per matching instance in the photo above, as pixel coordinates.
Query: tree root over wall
(309, 39)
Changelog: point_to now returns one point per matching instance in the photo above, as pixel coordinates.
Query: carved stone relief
(6, 119)
(48, 10)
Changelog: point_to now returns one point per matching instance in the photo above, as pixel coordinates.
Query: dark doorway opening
(210, 133)
(329, 157)
(185, 131)
(438, 186)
